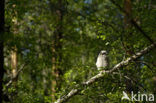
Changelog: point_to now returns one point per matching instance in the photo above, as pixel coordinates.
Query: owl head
(103, 52)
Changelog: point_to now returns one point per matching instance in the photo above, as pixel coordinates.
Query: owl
(102, 60)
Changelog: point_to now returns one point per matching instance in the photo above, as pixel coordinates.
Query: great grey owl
(102, 60)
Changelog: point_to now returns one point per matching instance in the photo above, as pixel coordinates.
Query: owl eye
(103, 53)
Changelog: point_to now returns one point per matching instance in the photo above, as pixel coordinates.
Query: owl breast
(101, 62)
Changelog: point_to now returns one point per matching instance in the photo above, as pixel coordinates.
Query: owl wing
(98, 60)
(107, 59)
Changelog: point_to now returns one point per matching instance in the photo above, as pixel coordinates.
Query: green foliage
(88, 26)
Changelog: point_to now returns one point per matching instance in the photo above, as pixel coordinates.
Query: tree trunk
(14, 63)
(2, 6)
(128, 14)
(56, 52)
(127, 37)
(14, 48)
(14, 54)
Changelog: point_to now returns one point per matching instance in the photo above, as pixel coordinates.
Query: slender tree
(56, 50)
(14, 49)
(127, 36)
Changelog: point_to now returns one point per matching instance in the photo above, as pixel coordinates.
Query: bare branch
(12, 79)
(133, 22)
(79, 88)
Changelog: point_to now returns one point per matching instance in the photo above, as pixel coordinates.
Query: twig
(146, 63)
(134, 81)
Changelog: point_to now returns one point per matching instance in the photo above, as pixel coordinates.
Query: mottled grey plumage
(102, 60)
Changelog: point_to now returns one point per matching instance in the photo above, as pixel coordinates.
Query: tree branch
(133, 22)
(13, 78)
(79, 88)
